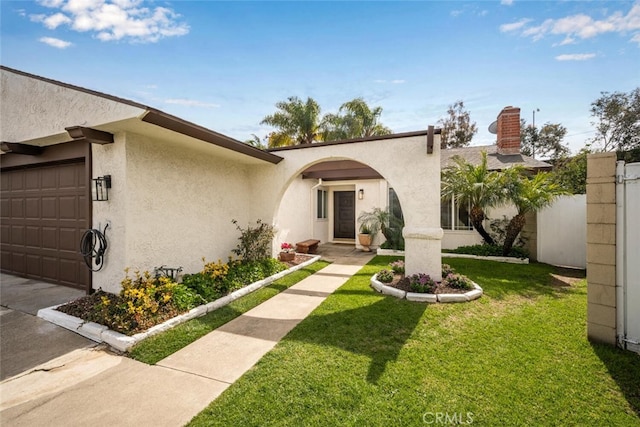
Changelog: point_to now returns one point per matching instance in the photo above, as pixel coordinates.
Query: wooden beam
(19, 148)
(90, 135)
(430, 133)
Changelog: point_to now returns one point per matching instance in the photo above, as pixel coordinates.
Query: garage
(45, 209)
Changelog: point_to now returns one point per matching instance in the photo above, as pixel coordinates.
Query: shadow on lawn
(502, 280)
(624, 367)
(378, 331)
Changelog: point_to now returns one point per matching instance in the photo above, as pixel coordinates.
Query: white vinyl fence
(562, 232)
(628, 255)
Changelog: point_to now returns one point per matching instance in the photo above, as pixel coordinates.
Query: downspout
(313, 228)
(621, 303)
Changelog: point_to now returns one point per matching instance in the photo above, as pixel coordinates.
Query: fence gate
(628, 187)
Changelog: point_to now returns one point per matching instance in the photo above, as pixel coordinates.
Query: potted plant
(287, 252)
(391, 227)
(365, 237)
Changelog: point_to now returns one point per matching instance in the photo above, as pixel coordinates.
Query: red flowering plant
(287, 248)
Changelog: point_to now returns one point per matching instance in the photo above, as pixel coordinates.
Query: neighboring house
(176, 186)
(454, 219)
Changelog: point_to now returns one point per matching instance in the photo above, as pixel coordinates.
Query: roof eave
(176, 124)
(355, 140)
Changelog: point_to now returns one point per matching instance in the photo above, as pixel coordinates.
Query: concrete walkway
(95, 387)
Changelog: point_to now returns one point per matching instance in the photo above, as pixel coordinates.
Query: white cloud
(51, 3)
(190, 103)
(60, 44)
(567, 40)
(394, 82)
(582, 26)
(115, 20)
(506, 2)
(575, 57)
(505, 28)
(54, 21)
(456, 13)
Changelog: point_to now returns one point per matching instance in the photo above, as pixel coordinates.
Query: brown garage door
(44, 214)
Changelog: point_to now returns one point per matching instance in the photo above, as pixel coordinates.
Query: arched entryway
(407, 163)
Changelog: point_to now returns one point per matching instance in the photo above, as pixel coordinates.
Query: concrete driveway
(26, 340)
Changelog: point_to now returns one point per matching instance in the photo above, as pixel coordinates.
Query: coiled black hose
(93, 245)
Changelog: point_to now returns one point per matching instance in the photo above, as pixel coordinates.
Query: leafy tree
(475, 185)
(545, 142)
(528, 194)
(617, 120)
(570, 173)
(297, 122)
(355, 119)
(457, 129)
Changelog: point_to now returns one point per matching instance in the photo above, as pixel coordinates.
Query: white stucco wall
(171, 205)
(32, 109)
(111, 159)
(296, 216)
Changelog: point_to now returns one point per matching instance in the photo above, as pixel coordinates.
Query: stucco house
(175, 186)
(454, 219)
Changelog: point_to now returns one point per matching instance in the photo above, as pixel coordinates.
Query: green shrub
(446, 270)
(255, 242)
(488, 250)
(457, 281)
(385, 276)
(144, 301)
(218, 279)
(244, 273)
(205, 286)
(422, 283)
(397, 266)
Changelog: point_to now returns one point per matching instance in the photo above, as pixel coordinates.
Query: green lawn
(162, 345)
(516, 356)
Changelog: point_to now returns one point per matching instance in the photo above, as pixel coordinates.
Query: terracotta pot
(365, 241)
(287, 256)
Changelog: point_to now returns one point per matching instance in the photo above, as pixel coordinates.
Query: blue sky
(224, 65)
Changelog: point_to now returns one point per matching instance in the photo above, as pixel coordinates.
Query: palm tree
(255, 141)
(528, 195)
(297, 122)
(355, 119)
(474, 185)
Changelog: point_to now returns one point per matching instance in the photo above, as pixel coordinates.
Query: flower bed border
(510, 260)
(100, 333)
(430, 298)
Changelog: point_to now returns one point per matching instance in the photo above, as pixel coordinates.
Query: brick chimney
(509, 131)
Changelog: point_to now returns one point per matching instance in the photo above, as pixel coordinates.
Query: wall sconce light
(361, 194)
(100, 188)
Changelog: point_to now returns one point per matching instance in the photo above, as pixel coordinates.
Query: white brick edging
(100, 333)
(510, 260)
(421, 297)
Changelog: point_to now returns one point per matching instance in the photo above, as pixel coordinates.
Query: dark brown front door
(344, 214)
(44, 214)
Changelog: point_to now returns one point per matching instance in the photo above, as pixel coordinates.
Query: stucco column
(423, 251)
